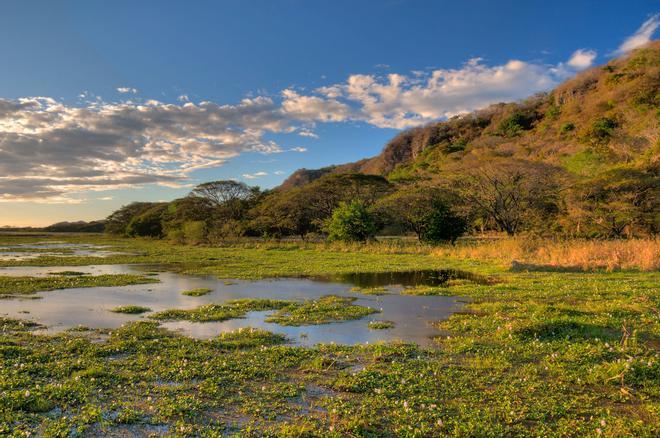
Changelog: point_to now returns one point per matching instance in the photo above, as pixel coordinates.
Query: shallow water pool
(67, 308)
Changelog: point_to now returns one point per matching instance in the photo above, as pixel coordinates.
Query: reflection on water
(67, 308)
(26, 251)
(427, 277)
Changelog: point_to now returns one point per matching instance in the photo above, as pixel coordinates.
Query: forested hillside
(581, 160)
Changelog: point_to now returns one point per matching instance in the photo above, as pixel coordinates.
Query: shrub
(602, 130)
(442, 225)
(351, 223)
(515, 124)
(567, 127)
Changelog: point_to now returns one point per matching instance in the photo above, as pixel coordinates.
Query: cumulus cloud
(127, 90)
(641, 37)
(307, 133)
(582, 59)
(402, 101)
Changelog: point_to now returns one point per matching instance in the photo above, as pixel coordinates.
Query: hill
(603, 118)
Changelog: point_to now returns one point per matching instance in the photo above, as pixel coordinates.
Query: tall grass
(532, 253)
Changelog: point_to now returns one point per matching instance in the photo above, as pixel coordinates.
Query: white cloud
(127, 90)
(401, 101)
(582, 59)
(307, 133)
(642, 36)
(315, 108)
(254, 175)
(279, 172)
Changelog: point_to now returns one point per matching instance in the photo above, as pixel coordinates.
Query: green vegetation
(220, 312)
(442, 225)
(131, 310)
(541, 354)
(67, 273)
(426, 290)
(29, 285)
(371, 290)
(381, 325)
(197, 292)
(351, 223)
(330, 308)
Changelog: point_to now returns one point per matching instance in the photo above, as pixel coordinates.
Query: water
(413, 315)
(27, 251)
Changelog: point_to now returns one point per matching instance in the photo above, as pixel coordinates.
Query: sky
(106, 103)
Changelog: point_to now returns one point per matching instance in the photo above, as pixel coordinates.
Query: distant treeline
(64, 227)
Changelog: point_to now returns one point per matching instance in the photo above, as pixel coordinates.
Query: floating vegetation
(68, 273)
(131, 310)
(327, 309)
(377, 290)
(380, 325)
(28, 285)
(220, 312)
(197, 292)
(425, 290)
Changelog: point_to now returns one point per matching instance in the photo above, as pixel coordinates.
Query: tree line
(508, 195)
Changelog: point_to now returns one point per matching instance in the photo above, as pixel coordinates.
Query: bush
(351, 223)
(442, 225)
(602, 130)
(514, 125)
(567, 127)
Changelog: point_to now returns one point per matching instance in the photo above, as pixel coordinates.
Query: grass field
(553, 348)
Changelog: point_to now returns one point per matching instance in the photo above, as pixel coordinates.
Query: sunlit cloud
(255, 175)
(127, 90)
(642, 36)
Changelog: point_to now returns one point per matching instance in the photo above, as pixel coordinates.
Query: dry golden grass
(531, 253)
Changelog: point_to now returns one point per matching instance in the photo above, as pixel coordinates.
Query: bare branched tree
(509, 193)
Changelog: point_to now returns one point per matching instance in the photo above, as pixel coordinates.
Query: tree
(512, 193)
(118, 221)
(351, 222)
(617, 203)
(286, 212)
(230, 198)
(410, 206)
(442, 225)
(325, 194)
(148, 223)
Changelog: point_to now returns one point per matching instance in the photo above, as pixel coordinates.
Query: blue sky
(104, 103)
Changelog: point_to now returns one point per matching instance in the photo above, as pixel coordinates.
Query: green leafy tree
(149, 223)
(284, 213)
(351, 222)
(442, 225)
(411, 206)
(117, 222)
